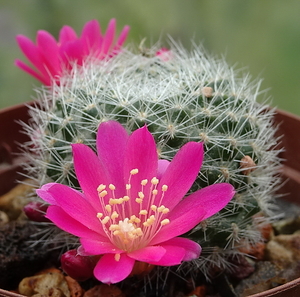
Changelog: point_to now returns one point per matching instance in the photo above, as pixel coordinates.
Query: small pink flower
(50, 57)
(131, 207)
(164, 53)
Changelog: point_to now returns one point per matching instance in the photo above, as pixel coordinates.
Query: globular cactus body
(181, 97)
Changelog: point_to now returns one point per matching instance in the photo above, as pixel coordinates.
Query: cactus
(181, 96)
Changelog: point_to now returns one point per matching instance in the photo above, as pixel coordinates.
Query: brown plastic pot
(289, 128)
(10, 138)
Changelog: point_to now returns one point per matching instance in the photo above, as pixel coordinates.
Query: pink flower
(131, 207)
(164, 53)
(50, 57)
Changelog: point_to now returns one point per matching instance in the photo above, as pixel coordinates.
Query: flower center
(134, 219)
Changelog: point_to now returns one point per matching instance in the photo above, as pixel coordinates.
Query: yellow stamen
(143, 212)
(99, 215)
(154, 181)
(165, 222)
(117, 257)
(138, 200)
(144, 182)
(114, 227)
(128, 186)
(108, 208)
(164, 188)
(101, 188)
(153, 207)
(114, 215)
(103, 193)
(161, 208)
(119, 201)
(126, 198)
(105, 220)
(112, 187)
(134, 171)
(166, 210)
(154, 192)
(132, 218)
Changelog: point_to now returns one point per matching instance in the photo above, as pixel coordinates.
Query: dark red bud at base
(76, 266)
(35, 211)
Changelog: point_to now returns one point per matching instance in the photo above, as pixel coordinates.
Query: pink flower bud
(76, 266)
(35, 211)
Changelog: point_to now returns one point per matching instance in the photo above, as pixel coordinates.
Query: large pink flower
(131, 207)
(50, 57)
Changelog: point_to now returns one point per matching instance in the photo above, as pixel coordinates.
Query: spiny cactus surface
(181, 96)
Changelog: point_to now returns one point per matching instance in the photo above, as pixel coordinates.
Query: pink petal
(67, 34)
(30, 50)
(148, 254)
(110, 271)
(140, 154)
(194, 209)
(89, 171)
(32, 53)
(45, 195)
(122, 37)
(109, 36)
(45, 80)
(179, 225)
(75, 205)
(174, 256)
(162, 167)
(182, 172)
(192, 248)
(49, 52)
(211, 199)
(95, 247)
(91, 37)
(71, 52)
(65, 222)
(111, 142)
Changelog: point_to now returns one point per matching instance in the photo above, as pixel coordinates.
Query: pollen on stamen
(101, 188)
(99, 215)
(143, 212)
(161, 208)
(165, 222)
(128, 186)
(138, 200)
(117, 257)
(141, 195)
(108, 208)
(105, 220)
(103, 193)
(126, 198)
(144, 182)
(119, 201)
(164, 188)
(114, 215)
(154, 181)
(149, 221)
(114, 227)
(153, 207)
(154, 192)
(134, 171)
(112, 187)
(112, 201)
(132, 218)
